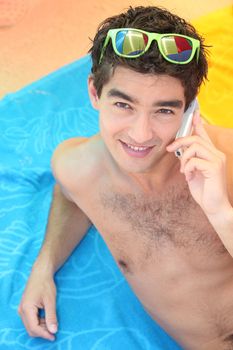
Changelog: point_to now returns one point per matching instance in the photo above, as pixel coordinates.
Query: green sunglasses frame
(112, 33)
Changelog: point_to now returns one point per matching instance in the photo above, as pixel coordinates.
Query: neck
(165, 172)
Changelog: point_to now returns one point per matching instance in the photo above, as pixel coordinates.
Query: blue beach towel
(96, 308)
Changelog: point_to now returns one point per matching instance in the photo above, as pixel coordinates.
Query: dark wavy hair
(151, 19)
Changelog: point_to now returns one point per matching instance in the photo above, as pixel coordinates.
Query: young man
(167, 221)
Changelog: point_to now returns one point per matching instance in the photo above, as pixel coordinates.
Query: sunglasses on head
(133, 43)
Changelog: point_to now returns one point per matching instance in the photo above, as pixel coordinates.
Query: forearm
(66, 227)
(223, 225)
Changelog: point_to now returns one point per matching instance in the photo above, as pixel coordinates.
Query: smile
(136, 151)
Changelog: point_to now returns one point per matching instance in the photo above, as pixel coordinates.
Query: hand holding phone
(186, 125)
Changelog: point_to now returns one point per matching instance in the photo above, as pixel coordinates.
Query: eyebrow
(169, 103)
(161, 103)
(124, 96)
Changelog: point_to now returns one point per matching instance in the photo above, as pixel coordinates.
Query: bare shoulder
(75, 162)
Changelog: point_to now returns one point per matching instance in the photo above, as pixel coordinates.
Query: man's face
(139, 116)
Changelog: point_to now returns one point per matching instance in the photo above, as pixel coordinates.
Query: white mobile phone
(186, 125)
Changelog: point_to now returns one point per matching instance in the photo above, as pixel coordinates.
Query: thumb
(50, 316)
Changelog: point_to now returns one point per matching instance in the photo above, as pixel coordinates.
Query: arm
(207, 174)
(66, 227)
(222, 222)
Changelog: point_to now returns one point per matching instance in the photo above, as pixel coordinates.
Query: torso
(170, 255)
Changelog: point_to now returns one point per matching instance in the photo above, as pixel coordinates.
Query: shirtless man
(167, 221)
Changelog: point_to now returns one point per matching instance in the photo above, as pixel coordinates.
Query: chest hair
(169, 218)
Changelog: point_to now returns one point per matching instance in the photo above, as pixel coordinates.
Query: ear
(93, 93)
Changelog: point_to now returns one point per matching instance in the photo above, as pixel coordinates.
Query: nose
(141, 130)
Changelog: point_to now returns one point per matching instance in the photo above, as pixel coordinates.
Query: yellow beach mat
(216, 96)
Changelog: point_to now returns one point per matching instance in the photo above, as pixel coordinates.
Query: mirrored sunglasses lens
(176, 48)
(131, 42)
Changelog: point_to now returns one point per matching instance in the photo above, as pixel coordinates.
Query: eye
(122, 105)
(166, 111)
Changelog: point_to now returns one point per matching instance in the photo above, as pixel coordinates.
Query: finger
(187, 141)
(197, 164)
(199, 128)
(50, 315)
(44, 325)
(200, 135)
(196, 117)
(197, 151)
(32, 323)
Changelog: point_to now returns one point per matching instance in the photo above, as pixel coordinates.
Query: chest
(171, 220)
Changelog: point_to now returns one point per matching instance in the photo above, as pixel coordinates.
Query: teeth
(138, 149)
